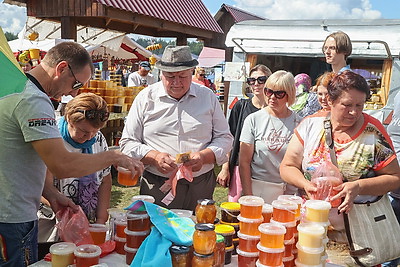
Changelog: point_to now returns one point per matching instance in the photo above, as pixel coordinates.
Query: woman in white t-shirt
(264, 138)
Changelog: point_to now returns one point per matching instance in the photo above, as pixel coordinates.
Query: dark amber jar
(206, 212)
(200, 260)
(204, 238)
(219, 252)
(180, 256)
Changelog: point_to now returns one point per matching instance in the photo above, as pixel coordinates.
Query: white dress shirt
(157, 121)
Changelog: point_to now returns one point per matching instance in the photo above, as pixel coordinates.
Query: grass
(121, 195)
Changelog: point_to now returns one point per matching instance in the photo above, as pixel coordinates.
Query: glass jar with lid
(206, 212)
(180, 256)
(200, 260)
(204, 238)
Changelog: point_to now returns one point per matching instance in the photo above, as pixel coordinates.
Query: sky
(12, 18)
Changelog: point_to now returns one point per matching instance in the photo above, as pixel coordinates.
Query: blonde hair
(198, 70)
(282, 80)
(85, 101)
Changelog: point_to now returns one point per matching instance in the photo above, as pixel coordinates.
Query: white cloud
(310, 9)
(12, 18)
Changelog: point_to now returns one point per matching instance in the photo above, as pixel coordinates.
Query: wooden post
(68, 28)
(181, 40)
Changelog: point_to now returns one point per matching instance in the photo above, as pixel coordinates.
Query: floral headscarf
(302, 82)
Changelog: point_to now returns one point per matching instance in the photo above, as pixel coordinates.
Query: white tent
(24, 44)
(121, 47)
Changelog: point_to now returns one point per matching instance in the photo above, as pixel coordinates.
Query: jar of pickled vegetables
(206, 212)
(204, 238)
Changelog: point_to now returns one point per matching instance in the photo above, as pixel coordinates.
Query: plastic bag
(73, 227)
(325, 178)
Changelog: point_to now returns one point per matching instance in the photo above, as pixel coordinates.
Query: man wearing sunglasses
(31, 141)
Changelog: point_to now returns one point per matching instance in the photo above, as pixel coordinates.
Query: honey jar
(251, 207)
(227, 232)
(246, 259)
(206, 211)
(204, 238)
(284, 211)
(296, 199)
(310, 235)
(317, 210)
(135, 239)
(129, 254)
(138, 221)
(229, 212)
(248, 243)
(250, 226)
(180, 256)
(219, 252)
(87, 255)
(120, 244)
(309, 256)
(267, 212)
(272, 235)
(270, 256)
(62, 254)
(200, 260)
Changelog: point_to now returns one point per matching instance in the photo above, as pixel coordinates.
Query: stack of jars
(117, 225)
(291, 235)
(227, 232)
(229, 216)
(312, 231)
(138, 228)
(271, 245)
(204, 243)
(250, 219)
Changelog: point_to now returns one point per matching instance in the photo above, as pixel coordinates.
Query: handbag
(372, 229)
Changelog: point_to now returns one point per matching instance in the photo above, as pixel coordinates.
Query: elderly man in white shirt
(176, 116)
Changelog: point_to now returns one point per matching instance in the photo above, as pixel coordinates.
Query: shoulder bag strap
(331, 144)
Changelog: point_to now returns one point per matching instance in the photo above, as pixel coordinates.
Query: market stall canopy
(210, 57)
(370, 38)
(121, 47)
(24, 44)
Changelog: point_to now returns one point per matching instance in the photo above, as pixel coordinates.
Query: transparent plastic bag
(73, 226)
(325, 178)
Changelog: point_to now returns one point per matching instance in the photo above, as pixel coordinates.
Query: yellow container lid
(224, 229)
(230, 205)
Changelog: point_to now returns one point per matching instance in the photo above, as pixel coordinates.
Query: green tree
(10, 36)
(195, 46)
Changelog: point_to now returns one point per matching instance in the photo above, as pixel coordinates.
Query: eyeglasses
(202, 75)
(260, 80)
(92, 114)
(278, 94)
(77, 83)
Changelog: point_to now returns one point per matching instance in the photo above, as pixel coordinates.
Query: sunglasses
(77, 83)
(93, 114)
(260, 80)
(202, 75)
(278, 94)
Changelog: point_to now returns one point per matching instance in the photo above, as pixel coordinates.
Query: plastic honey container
(317, 210)
(248, 243)
(228, 254)
(138, 221)
(270, 256)
(288, 261)
(87, 255)
(62, 254)
(267, 210)
(229, 212)
(310, 235)
(135, 239)
(146, 198)
(250, 226)
(251, 207)
(246, 259)
(129, 254)
(291, 228)
(98, 233)
(284, 211)
(309, 256)
(227, 232)
(272, 235)
(120, 244)
(299, 264)
(289, 246)
(259, 264)
(296, 199)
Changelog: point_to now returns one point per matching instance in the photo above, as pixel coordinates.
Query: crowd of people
(271, 144)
